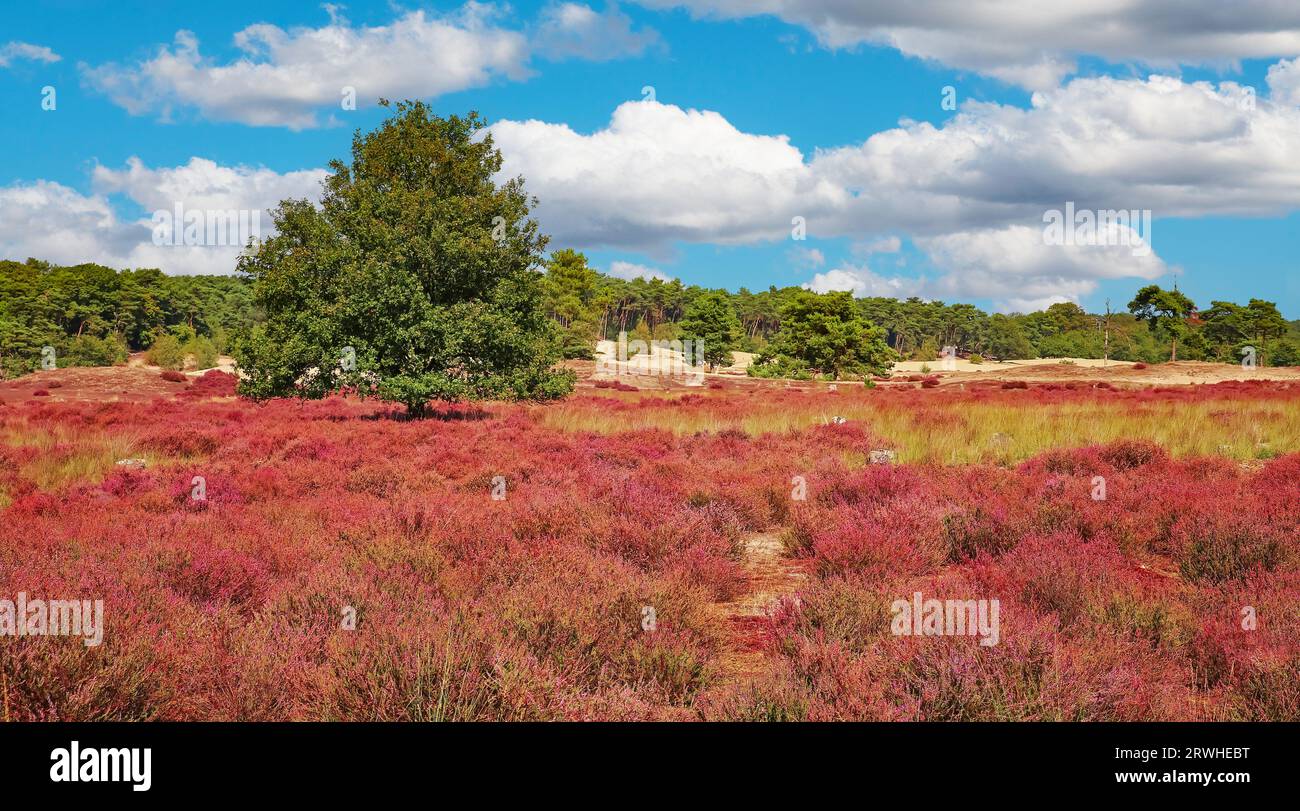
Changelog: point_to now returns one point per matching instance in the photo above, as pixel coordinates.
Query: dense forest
(589, 305)
(91, 315)
(94, 315)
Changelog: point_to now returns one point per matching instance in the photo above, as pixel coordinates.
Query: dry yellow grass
(65, 455)
(957, 431)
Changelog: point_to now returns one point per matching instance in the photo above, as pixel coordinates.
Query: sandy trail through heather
(771, 576)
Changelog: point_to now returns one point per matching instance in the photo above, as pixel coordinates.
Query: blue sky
(839, 121)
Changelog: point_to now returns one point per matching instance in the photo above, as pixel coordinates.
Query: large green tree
(1006, 340)
(825, 333)
(1165, 313)
(711, 319)
(1262, 322)
(571, 297)
(416, 279)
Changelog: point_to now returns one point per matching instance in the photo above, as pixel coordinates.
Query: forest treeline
(589, 305)
(94, 315)
(91, 315)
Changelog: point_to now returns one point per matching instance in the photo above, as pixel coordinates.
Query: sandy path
(771, 576)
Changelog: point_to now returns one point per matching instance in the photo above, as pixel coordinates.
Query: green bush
(166, 352)
(780, 366)
(203, 351)
(87, 350)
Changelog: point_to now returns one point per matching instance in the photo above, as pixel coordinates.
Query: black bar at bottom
(536, 761)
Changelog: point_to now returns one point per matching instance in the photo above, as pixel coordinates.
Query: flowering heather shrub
(619, 385)
(1128, 454)
(212, 383)
(1215, 547)
(971, 531)
(880, 542)
(531, 607)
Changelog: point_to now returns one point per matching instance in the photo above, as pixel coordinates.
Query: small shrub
(87, 350)
(213, 383)
(969, 532)
(1218, 549)
(1127, 454)
(202, 351)
(166, 352)
(616, 385)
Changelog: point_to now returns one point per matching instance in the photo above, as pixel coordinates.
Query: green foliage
(1076, 343)
(1165, 313)
(825, 333)
(711, 318)
(570, 292)
(1006, 339)
(88, 350)
(928, 350)
(1285, 353)
(202, 350)
(166, 352)
(92, 315)
(1229, 328)
(781, 366)
(418, 265)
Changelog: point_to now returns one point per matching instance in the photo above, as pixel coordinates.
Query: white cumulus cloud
(1032, 43)
(13, 51)
(1284, 82)
(293, 78)
(659, 173)
(630, 270)
(575, 31)
(57, 223)
(967, 192)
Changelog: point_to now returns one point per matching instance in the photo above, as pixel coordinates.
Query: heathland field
(737, 550)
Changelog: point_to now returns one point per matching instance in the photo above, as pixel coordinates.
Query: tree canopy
(826, 334)
(1165, 313)
(415, 280)
(93, 315)
(711, 322)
